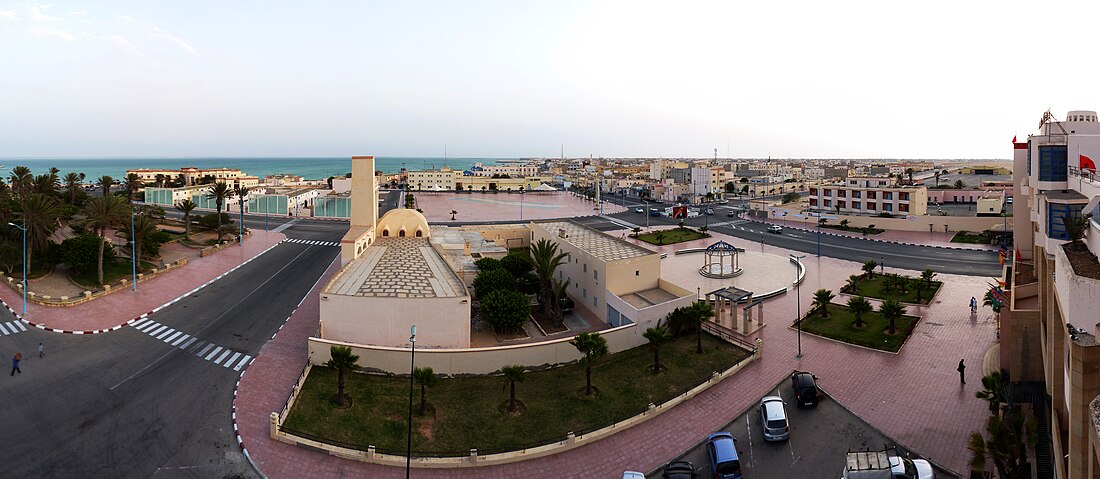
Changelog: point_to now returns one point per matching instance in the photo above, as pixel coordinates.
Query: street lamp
(133, 248)
(240, 235)
(521, 206)
(412, 367)
(819, 235)
(24, 261)
(798, 295)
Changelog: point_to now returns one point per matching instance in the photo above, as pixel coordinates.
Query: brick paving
(119, 307)
(913, 396)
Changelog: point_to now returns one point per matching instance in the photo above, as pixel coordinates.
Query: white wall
(440, 322)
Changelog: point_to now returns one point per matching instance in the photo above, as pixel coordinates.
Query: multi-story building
(870, 195)
(446, 179)
(190, 176)
(1048, 326)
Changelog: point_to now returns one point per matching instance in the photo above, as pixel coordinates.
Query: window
(595, 302)
(637, 273)
(813, 201)
(828, 192)
(842, 193)
(870, 206)
(828, 203)
(871, 195)
(1052, 163)
(903, 196)
(855, 204)
(887, 195)
(585, 267)
(903, 207)
(1055, 211)
(585, 293)
(887, 207)
(841, 204)
(856, 194)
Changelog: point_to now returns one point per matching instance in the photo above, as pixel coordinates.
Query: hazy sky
(953, 79)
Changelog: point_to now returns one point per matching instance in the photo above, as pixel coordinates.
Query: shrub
(486, 264)
(151, 246)
(210, 221)
(506, 310)
(81, 252)
(518, 263)
(493, 280)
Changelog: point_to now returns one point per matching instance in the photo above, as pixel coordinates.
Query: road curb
(814, 231)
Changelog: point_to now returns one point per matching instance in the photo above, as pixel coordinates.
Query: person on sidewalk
(15, 364)
(41, 350)
(962, 371)
(973, 305)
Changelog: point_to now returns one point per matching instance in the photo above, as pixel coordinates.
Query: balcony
(1076, 283)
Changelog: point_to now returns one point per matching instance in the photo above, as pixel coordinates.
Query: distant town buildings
(191, 176)
(869, 195)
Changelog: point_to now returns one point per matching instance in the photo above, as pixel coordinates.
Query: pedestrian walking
(962, 371)
(973, 305)
(41, 350)
(15, 364)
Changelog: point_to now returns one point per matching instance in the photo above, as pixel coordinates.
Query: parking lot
(820, 437)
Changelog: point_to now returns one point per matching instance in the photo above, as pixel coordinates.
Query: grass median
(873, 334)
(671, 236)
(874, 287)
(468, 413)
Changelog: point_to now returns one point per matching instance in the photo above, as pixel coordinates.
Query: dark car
(805, 388)
(722, 452)
(679, 470)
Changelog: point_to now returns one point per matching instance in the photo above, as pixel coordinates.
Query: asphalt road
(819, 439)
(125, 404)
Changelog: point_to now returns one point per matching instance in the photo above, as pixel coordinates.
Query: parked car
(805, 388)
(731, 214)
(633, 475)
(639, 210)
(710, 211)
(773, 419)
(722, 453)
(775, 229)
(723, 202)
(679, 470)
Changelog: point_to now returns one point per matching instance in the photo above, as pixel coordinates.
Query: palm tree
(453, 213)
(592, 346)
(342, 360)
(547, 259)
(103, 212)
(852, 285)
(132, 184)
(557, 296)
(917, 284)
(1011, 435)
(160, 180)
(241, 192)
(959, 184)
(20, 177)
(994, 391)
(844, 223)
(104, 183)
(822, 297)
(46, 184)
(700, 312)
(927, 276)
(859, 306)
(869, 268)
(221, 192)
(1076, 226)
(144, 227)
(39, 217)
(656, 336)
(427, 378)
(72, 184)
(186, 207)
(909, 171)
(513, 374)
(937, 177)
(891, 309)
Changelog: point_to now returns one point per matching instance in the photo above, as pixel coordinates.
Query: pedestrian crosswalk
(12, 327)
(222, 356)
(313, 242)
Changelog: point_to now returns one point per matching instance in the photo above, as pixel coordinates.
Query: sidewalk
(921, 238)
(114, 310)
(913, 397)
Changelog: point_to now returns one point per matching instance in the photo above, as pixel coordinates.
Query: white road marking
(220, 358)
(229, 362)
(173, 337)
(216, 351)
(243, 362)
(165, 334)
(161, 328)
(181, 339)
(204, 350)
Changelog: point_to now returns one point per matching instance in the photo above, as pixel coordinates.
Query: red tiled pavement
(914, 396)
(119, 307)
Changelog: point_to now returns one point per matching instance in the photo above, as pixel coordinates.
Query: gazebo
(720, 261)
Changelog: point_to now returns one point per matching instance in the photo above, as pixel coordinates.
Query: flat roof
(594, 242)
(398, 267)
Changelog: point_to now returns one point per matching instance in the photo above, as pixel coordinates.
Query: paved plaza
(119, 307)
(913, 397)
(472, 207)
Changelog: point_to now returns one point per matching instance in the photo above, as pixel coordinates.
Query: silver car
(773, 419)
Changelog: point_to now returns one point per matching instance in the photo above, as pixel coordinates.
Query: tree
(1076, 226)
(559, 297)
(486, 263)
(512, 374)
(822, 297)
(1010, 434)
(144, 228)
(342, 361)
(937, 178)
(103, 213)
(789, 197)
(731, 187)
(852, 284)
(700, 312)
(453, 213)
(869, 268)
(657, 336)
(186, 207)
(132, 184)
(81, 252)
(822, 221)
(927, 276)
(161, 177)
(426, 378)
(21, 179)
(859, 306)
(659, 237)
(488, 281)
(959, 184)
(72, 184)
(917, 284)
(39, 216)
(221, 192)
(241, 192)
(592, 346)
(518, 263)
(506, 310)
(994, 391)
(844, 223)
(909, 172)
(104, 183)
(547, 259)
(891, 310)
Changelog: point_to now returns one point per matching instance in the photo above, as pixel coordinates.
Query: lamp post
(412, 366)
(240, 235)
(267, 210)
(819, 235)
(521, 206)
(24, 261)
(133, 249)
(798, 302)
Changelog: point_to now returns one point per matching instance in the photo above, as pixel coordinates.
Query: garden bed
(1082, 260)
(873, 335)
(672, 236)
(852, 229)
(467, 413)
(972, 238)
(112, 272)
(872, 287)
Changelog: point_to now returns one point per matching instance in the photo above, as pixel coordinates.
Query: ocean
(310, 168)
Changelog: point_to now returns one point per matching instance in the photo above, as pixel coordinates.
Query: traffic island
(873, 332)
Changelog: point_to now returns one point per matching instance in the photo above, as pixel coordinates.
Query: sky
(950, 79)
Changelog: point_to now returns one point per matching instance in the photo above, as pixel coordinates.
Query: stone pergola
(725, 303)
(720, 261)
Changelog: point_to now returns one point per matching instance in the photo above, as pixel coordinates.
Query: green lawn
(672, 236)
(111, 272)
(971, 238)
(873, 335)
(872, 288)
(468, 412)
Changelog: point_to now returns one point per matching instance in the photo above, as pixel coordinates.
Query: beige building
(870, 196)
(191, 176)
(446, 179)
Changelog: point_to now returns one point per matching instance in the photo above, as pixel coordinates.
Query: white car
(773, 419)
(639, 210)
(775, 229)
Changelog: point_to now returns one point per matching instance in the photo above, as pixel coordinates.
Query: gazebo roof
(722, 248)
(731, 293)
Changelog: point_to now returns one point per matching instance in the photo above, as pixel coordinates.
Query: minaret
(364, 193)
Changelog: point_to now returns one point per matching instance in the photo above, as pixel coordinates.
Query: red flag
(1013, 138)
(1086, 163)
